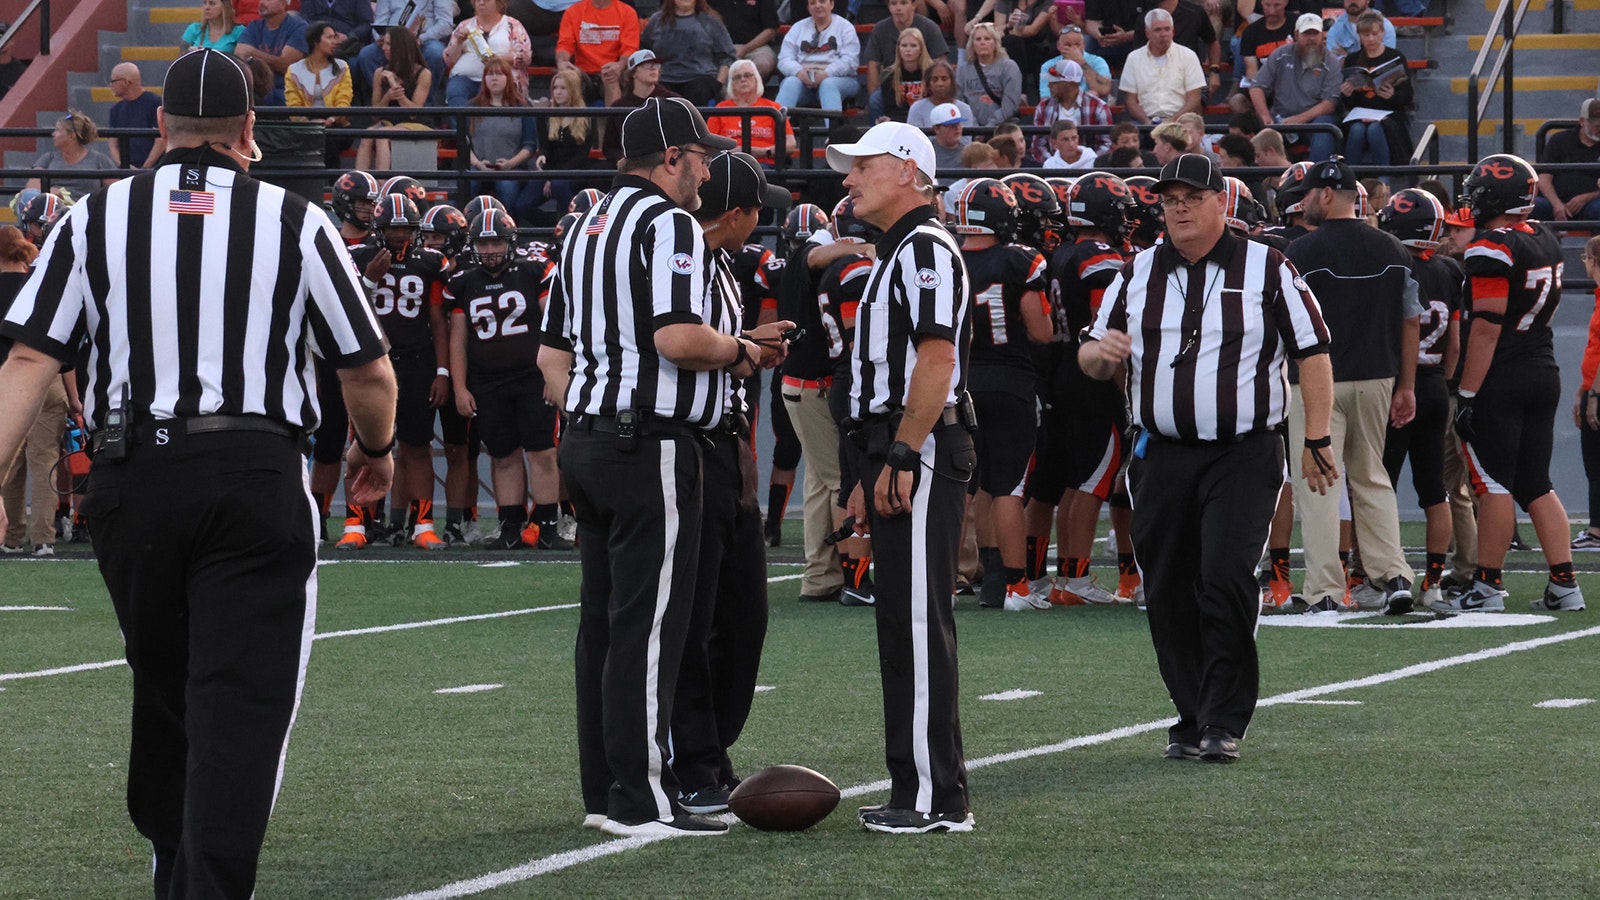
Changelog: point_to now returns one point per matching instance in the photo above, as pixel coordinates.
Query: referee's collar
(203, 155)
(1221, 253)
(898, 231)
(643, 184)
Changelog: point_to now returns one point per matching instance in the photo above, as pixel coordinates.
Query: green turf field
(1390, 759)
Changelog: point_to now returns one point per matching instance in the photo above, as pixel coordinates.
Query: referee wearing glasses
(1202, 327)
(202, 296)
(643, 374)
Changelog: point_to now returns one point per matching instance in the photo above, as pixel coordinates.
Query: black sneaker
(886, 820)
(1218, 746)
(830, 597)
(549, 539)
(705, 800)
(453, 536)
(861, 596)
(505, 539)
(1397, 596)
(1183, 752)
(677, 826)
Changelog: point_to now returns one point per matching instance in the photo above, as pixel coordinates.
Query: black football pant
(722, 654)
(638, 518)
(914, 574)
(207, 545)
(1200, 518)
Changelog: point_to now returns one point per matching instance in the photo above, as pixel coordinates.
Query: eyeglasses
(1192, 201)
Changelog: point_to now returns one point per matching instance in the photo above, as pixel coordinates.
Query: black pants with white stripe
(207, 545)
(722, 654)
(1200, 518)
(914, 574)
(639, 543)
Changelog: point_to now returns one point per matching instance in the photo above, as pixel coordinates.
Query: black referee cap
(1194, 169)
(1332, 173)
(667, 122)
(206, 84)
(737, 182)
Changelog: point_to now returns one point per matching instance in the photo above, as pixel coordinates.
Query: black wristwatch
(902, 458)
(378, 453)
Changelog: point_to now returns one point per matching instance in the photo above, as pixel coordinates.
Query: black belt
(647, 426)
(733, 425)
(160, 432)
(948, 417)
(1201, 442)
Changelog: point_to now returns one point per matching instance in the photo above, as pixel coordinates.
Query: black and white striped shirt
(727, 317)
(918, 288)
(1211, 340)
(202, 290)
(634, 263)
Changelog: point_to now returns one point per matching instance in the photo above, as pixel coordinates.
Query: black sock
(777, 501)
(1561, 573)
(512, 516)
(1435, 570)
(546, 513)
(1491, 577)
(1126, 564)
(452, 515)
(1015, 575)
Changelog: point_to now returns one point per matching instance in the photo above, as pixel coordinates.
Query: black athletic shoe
(549, 539)
(886, 820)
(505, 539)
(830, 597)
(1218, 746)
(1183, 752)
(861, 596)
(705, 801)
(677, 826)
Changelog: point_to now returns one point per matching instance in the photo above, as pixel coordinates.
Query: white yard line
(560, 861)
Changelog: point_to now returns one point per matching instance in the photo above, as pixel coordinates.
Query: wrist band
(1466, 395)
(1319, 443)
(369, 283)
(378, 454)
(743, 357)
(442, 371)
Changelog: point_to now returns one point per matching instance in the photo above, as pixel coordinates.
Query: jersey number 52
(502, 315)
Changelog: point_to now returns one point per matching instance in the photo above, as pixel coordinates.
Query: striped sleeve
(48, 313)
(555, 328)
(1294, 309)
(347, 332)
(930, 279)
(679, 270)
(1113, 316)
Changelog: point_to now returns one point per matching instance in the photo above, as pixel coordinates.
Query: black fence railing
(42, 7)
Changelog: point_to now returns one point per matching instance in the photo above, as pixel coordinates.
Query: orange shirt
(761, 131)
(1591, 350)
(595, 37)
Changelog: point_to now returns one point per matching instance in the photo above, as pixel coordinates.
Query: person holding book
(1377, 93)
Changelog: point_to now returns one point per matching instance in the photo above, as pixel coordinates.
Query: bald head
(126, 83)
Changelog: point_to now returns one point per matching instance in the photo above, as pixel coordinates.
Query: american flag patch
(202, 203)
(597, 225)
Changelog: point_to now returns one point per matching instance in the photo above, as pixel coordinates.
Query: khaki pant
(33, 468)
(1358, 425)
(819, 441)
(1463, 509)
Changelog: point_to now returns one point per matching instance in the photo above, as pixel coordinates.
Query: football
(784, 798)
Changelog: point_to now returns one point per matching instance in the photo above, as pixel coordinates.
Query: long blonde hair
(898, 69)
(999, 47)
(578, 125)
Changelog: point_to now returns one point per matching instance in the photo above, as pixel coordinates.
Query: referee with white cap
(202, 298)
(911, 430)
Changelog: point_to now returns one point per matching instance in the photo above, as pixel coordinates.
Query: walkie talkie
(627, 430)
(111, 442)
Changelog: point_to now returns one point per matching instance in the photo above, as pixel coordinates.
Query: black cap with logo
(667, 122)
(1194, 169)
(738, 182)
(206, 84)
(1332, 173)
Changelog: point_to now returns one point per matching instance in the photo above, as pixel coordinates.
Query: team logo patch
(1300, 284)
(927, 279)
(682, 264)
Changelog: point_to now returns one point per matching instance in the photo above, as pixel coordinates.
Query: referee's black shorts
(513, 414)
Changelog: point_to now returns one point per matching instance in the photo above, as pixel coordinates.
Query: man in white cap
(1065, 101)
(1301, 83)
(946, 119)
(908, 429)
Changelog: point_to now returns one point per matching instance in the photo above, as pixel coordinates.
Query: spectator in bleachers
(11, 68)
(1257, 41)
(1379, 141)
(488, 32)
(947, 137)
(1191, 28)
(989, 80)
(818, 60)
(939, 86)
(1096, 71)
(1246, 123)
(564, 142)
(1302, 83)
(72, 136)
(744, 90)
(951, 16)
(640, 82)
(1065, 101)
(246, 11)
(431, 21)
(402, 81)
(1124, 134)
(1067, 150)
(753, 25)
(351, 20)
(979, 155)
(694, 48)
(1199, 142)
(216, 29)
(1171, 141)
(1342, 36)
(1571, 195)
(277, 39)
(135, 108)
(1270, 150)
(597, 37)
(261, 86)
(322, 80)
(1113, 26)
(504, 143)
(1012, 144)
(903, 86)
(540, 18)
(1162, 79)
(883, 49)
(1235, 151)
(1029, 29)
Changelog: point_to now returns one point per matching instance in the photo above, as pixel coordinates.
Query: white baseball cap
(1063, 70)
(1307, 22)
(945, 114)
(897, 139)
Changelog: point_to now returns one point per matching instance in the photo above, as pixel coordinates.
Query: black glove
(1463, 420)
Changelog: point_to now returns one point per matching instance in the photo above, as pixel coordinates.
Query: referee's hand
(1319, 469)
(369, 479)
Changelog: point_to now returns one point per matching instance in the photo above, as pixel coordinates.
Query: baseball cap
(945, 114)
(664, 122)
(1194, 169)
(1590, 109)
(1332, 173)
(640, 57)
(206, 84)
(894, 138)
(1064, 70)
(1308, 22)
(738, 182)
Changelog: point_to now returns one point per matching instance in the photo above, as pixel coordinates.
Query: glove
(1463, 420)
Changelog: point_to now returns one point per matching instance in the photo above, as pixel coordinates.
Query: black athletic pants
(1201, 515)
(207, 545)
(914, 574)
(638, 518)
(729, 625)
(1422, 439)
(1589, 444)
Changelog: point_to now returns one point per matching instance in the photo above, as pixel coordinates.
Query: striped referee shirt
(1211, 339)
(202, 291)
(634, 263)
(727, 317)
(918, 288)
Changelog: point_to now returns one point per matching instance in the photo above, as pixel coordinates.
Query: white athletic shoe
(1021, 596)
(1567, 597)
(1432, 595)
(1039, 589)
(1090, 591)
(567, 528)
(1478, 598)
(1369, 596)
(594, 820)
(471, 534)
(677, 826)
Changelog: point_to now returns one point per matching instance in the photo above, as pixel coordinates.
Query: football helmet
(493, 225)
(396, 212)
(1038, 209)
(1501, 184)
(1101, 201)
(1292, 191)
(405, 184)
(566, 222)
(984, 206)
(1236, 198)
(37, 215)
(1414, 216)
(846, 227)
(1148, 221)
(475, 207)
(583, 200)
(448, 222)
(349, 192)
(800, 224)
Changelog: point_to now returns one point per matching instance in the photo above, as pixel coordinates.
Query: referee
(202, 296)
(911, 427)
(643, 376)
(1203, 325)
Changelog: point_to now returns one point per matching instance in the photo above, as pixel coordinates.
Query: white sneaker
(594, 820)
(1017, 601)
(41, 550)
(567, 528)
(1559, 597)
(1368, 596)
(471, 533)
(1478, 598)
(1039, 589)
(1432, 595)
(677, 826)
(1087, 588)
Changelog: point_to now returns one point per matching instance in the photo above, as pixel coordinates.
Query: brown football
(784, 798)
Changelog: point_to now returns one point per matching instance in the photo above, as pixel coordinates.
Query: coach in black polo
(909, 375)
(1203, 325)
(643, 376)
(203, 296)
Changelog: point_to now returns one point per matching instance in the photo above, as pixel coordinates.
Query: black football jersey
(503, 314)
(1527, 258)
(797, 303)
(1439, 287)
(758, 271)
(403, 297)
(1080, 272)
(838, 297)
(1000, 276)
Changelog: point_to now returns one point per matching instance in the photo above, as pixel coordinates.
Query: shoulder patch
(682, 264)
(927, 279)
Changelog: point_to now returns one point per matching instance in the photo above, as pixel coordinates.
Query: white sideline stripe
(35, 608)
(1011, 695)
(1327, 702)
(64, 670)
(536, 867)
(1563, 703)
(407, 626)
(469, 689)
